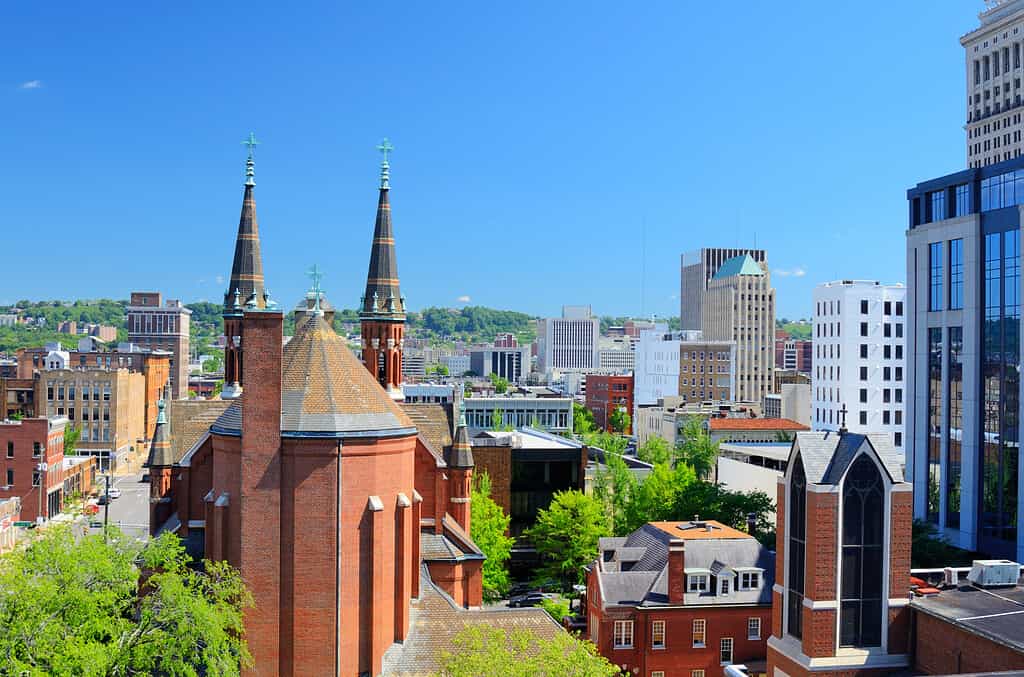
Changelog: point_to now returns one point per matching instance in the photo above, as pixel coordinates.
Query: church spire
(383, 299)
(382, 309)
(245, 289)
(246, 282)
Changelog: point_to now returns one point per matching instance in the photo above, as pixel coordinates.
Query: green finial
(250, 163)
(315, 275)
(385, 147)
(161, 417)
(462, 414)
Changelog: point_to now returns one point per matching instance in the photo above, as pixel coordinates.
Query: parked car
(529, 599)
(115, 492)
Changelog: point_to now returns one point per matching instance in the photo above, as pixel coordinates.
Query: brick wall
(24, 435)
(942, 648)
(497, 463)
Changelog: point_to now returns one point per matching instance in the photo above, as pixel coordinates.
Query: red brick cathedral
(313, 480)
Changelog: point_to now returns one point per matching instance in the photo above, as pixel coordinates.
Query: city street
(130, 512)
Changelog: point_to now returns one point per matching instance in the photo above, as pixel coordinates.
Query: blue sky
(533, 141)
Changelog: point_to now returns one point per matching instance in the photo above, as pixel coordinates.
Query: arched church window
(797, 545)
(860, 616)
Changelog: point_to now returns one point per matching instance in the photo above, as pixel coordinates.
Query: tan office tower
(994, 91)
(740, 306)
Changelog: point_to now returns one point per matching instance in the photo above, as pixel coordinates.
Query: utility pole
(106, 507)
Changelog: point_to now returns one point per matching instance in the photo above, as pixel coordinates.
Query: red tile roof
(755, 424)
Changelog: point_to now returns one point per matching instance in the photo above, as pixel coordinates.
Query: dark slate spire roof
(247, 269)
(462, 451)
(383, 299)
(160, 448)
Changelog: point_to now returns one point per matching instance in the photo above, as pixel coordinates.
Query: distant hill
(798, 329)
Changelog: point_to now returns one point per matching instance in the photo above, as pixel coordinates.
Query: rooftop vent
(987, 573)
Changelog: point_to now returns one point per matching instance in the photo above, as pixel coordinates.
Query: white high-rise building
(994, 91)
(656, 365)
(859, 363)
(570, 342)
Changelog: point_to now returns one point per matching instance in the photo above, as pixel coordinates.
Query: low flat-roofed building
(753, 429)
(548, 413)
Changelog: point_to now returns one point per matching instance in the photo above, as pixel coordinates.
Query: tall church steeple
(382, 309)
(245, 288)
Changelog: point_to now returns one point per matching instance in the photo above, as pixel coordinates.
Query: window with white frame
(623, 637)
(700, 628)
(725, 651)
(658, 634)
(595, 629)
(753, 628)
(698, 582)
(750, 580)
(723, 585)
(696, 673)
(657, 673)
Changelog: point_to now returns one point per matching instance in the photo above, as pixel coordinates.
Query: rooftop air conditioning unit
(993, 572)
(950, 577)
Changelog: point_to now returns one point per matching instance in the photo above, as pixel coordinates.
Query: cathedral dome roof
(326, 391)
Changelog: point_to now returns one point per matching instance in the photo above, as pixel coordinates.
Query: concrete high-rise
(994, 73)
(858, 333)
(570, 342)
(740, 306)
(696, 270)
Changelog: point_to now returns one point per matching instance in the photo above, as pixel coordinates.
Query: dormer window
(697, 583)
(750, 580)
(723, 585)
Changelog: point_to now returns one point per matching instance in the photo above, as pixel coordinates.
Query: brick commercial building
(791, 353)
(324, 493)
(21, 397)
(154, 365)
(707, 370)
(156, 325)
(33, 456)
(605, 394)
(681, 598)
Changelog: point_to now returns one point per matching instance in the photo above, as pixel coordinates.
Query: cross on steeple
(250, 163)
(251, 142)
(315, 275)
(842, 422)
(385, 147)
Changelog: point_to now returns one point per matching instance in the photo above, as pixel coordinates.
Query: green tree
(582, 419)
(500, 383)
(615, 487)
(488, 527)
(214, 364)
(486, 650)
(697, 449)
(655, 450)
(620, 419)
(71, 436)
(928, 549)
(556, 608)
(72, 606)
(565, 535)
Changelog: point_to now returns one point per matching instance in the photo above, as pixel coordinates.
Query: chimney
(676, 565)
(751, 522)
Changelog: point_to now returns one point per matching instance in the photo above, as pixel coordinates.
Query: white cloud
(220, 279)
(32, 84)
(463, 299)
(796, 272)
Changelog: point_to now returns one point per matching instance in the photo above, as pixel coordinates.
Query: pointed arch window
(860, 616)
(796, 547)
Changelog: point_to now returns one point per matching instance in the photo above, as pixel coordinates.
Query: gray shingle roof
(646, 583)
(827, 455)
